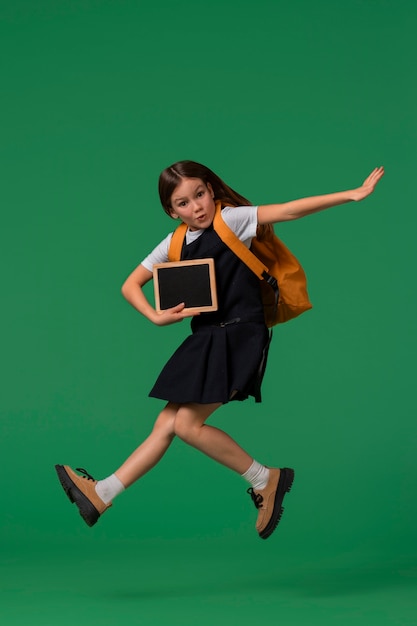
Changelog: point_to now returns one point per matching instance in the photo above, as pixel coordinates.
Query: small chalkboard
(191, 282)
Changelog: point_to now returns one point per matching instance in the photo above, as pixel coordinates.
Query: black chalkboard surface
(191, 282)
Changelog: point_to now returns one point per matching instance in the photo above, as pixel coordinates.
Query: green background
(282, 100)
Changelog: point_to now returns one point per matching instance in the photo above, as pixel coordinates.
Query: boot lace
(86, 474)
(256, 497)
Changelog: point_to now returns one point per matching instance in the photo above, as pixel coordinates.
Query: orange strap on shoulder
(227, 236)
(175, 247)
(238, 247)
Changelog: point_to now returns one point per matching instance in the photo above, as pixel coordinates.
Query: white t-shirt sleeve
(158, 254)
(242, 220)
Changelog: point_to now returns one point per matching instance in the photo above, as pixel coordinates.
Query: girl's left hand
(368, 185)
(172, 315)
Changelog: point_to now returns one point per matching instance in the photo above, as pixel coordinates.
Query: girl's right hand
(171, 316)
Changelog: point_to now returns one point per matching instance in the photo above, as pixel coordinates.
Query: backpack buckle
(271, 280)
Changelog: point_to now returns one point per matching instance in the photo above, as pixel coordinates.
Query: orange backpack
(283, 281)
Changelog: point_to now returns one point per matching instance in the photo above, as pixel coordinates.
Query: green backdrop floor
(206, 580)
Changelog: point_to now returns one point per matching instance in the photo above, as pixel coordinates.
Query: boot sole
(87, 510)
(286, 480)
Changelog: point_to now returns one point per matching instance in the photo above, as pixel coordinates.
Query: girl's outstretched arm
(272, 213)
(133, 292)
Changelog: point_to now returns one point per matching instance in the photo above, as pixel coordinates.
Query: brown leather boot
(81, 490)
(269, 500)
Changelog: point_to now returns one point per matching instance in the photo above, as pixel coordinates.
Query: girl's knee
(166, 420)
(185, 427)
(184, 431)
(190, 419)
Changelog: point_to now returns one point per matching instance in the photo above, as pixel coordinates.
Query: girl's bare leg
(152, 449)
(190, 427)
(187, 422)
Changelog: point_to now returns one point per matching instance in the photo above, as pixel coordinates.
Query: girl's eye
(182, 204)
(200, 193)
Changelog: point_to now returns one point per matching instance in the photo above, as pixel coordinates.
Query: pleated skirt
(216, 364)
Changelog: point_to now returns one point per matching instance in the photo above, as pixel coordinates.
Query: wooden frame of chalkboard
(191, 282)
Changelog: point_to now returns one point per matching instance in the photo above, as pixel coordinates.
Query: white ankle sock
(109, 488)
(257, 475)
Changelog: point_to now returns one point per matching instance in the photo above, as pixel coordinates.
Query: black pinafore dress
(224, 359)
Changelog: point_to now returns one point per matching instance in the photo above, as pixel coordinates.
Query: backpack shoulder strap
(238, 247)
(227, 236)
(175, 246)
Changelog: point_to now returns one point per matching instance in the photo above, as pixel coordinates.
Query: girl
(221, 360)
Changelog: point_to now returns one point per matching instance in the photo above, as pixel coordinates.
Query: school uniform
(224, 358)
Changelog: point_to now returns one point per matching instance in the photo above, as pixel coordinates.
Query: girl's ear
(210, 188)
(173, 214)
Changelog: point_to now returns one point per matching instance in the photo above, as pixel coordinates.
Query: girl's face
(193, 202)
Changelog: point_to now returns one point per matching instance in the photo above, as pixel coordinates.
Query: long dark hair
(171, 177)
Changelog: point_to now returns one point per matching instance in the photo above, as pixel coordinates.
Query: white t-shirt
(242, 220)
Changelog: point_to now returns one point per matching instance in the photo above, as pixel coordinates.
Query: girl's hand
(171, 316)
(293, 210)
(369, 184)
